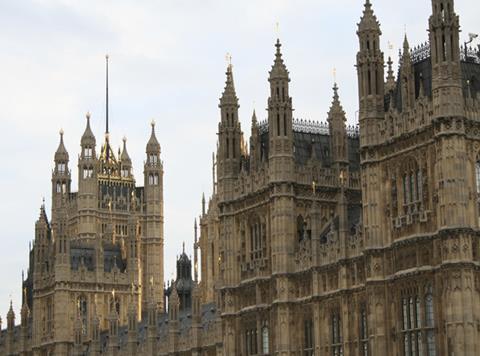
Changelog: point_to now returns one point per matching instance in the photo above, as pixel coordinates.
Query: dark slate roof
(305, 141)
(423, 71)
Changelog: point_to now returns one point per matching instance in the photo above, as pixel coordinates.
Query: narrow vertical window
(336, 335)
(285, 124)
(405, 189)
(278, 124)
(364, 331)
(228, 148)
(265, 340)
(308, 349)
(369, 82)
(477, 175)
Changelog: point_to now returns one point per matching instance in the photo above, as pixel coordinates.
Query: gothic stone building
(318, 239)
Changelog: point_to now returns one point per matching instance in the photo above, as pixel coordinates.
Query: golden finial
(334, 74)
(152, 123)
(390, 48)
(61, 132)
(124, 139)
(228, 58)
(88, 115)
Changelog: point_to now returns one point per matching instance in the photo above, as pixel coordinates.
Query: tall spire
(124, 157)
(106, 93)
(229, 95)
(336, 109)
(390, 85)
(279, 69)
(88, 138)
(152, 145)
(368, 20)
(61, 154)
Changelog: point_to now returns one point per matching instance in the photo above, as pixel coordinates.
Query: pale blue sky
(167, 63)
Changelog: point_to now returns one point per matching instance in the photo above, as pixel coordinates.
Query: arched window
(336, 327)
(363, 331)
(477, 174)
(265, 340)
(308, 349)
(430, 322)
(82, 309)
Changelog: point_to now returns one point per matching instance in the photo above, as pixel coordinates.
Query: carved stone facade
(319, 239)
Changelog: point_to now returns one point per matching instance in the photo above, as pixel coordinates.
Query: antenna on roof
(106, 93)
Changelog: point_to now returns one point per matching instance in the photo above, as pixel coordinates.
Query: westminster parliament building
(319, 238)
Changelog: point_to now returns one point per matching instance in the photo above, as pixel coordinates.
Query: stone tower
(229, 139)
(152, 242)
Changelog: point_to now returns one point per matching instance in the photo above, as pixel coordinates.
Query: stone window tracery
(418, 323)
(257, 239)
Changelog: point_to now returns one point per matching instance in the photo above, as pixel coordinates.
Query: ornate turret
(280, 114)
(196, 246)
(444, 28)
(407, 78)
(152, 237)
(88, 142)
(391, 83)
(61, 174)
(229, 139)
(61, 154)
(338, 131)
(10, 318)
(255, 145)
(370, 68)
(125, 161)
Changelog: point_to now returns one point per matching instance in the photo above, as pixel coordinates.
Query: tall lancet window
(477, 174)
(83, 312)
(336, 327)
